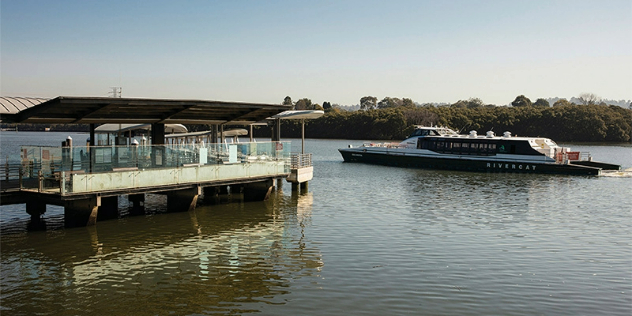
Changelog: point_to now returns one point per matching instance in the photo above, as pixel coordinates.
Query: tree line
(589, 120)
(394, 119)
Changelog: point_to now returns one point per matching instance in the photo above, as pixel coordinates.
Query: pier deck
(87, 181)
(69, 175)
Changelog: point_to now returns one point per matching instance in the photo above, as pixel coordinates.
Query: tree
(471, 103)
(459, 104)
(588, 99)
(287, 101)
(368, 103)
(327, 106)
(562, 102)
(541, 102)
(406, 102)
(521, 100)
(389, 102)
(304, 104)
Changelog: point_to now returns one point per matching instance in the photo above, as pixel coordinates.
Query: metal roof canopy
(115, 128)
(98, 110)
(13, 105)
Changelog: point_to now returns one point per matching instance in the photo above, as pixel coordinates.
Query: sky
(337, 51)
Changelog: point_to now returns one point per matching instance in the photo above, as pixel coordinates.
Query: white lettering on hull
(493, 165)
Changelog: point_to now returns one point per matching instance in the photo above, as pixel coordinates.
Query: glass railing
(51, 168)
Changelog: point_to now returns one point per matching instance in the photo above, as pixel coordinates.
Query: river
(365, 240)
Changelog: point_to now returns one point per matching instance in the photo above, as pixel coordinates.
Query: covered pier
(88, 179)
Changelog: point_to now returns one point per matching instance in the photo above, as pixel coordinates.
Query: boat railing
(383, 145)
(567, 157)
(585, 156)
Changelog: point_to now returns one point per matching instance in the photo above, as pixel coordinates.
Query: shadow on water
(219, 258)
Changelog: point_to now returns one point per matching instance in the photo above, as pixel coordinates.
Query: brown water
(365, 240)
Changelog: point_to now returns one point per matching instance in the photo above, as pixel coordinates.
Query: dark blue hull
(463, 164)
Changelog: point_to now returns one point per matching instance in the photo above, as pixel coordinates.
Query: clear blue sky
(336, 51)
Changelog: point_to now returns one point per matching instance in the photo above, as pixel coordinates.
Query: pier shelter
(88, 179)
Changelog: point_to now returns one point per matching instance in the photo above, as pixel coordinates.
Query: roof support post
(276, 130)
(92, 143)
(92, 138)
(214, 133)
(158, 138)
(158, 134)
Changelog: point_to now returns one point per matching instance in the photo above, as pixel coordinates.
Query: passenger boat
(443, 148)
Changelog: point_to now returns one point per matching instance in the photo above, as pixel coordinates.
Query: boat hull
(478, 164)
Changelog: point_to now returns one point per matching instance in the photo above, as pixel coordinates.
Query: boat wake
(627, 173)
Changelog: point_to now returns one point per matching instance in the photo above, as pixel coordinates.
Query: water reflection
(485, 200)
(222, 258)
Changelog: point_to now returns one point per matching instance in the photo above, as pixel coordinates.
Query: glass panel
(50, 162)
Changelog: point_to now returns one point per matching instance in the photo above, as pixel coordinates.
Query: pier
(88, 180)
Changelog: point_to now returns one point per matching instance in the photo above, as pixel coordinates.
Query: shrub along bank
(567, 123)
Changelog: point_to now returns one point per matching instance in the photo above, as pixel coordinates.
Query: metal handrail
(300, 161)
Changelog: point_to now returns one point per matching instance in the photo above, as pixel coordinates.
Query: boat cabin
(446, 141)
(432, 131)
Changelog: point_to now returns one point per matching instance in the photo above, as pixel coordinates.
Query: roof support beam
(175, 112)
(82, 116)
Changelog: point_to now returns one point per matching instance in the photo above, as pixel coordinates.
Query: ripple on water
(365, 240)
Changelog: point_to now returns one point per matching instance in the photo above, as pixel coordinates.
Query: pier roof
(13, 105)
(98, 110)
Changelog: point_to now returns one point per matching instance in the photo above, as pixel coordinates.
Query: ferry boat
(443, 148)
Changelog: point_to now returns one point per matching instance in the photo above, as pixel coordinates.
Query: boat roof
(475, 136)
(463, 136)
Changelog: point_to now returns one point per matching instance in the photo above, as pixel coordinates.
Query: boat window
(420, 132)
(440, 145)
(456, 145)
(483, 148)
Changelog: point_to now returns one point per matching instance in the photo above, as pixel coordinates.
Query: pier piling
(258, 191)
(35, 208)
(81, 212)
(183, 200)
